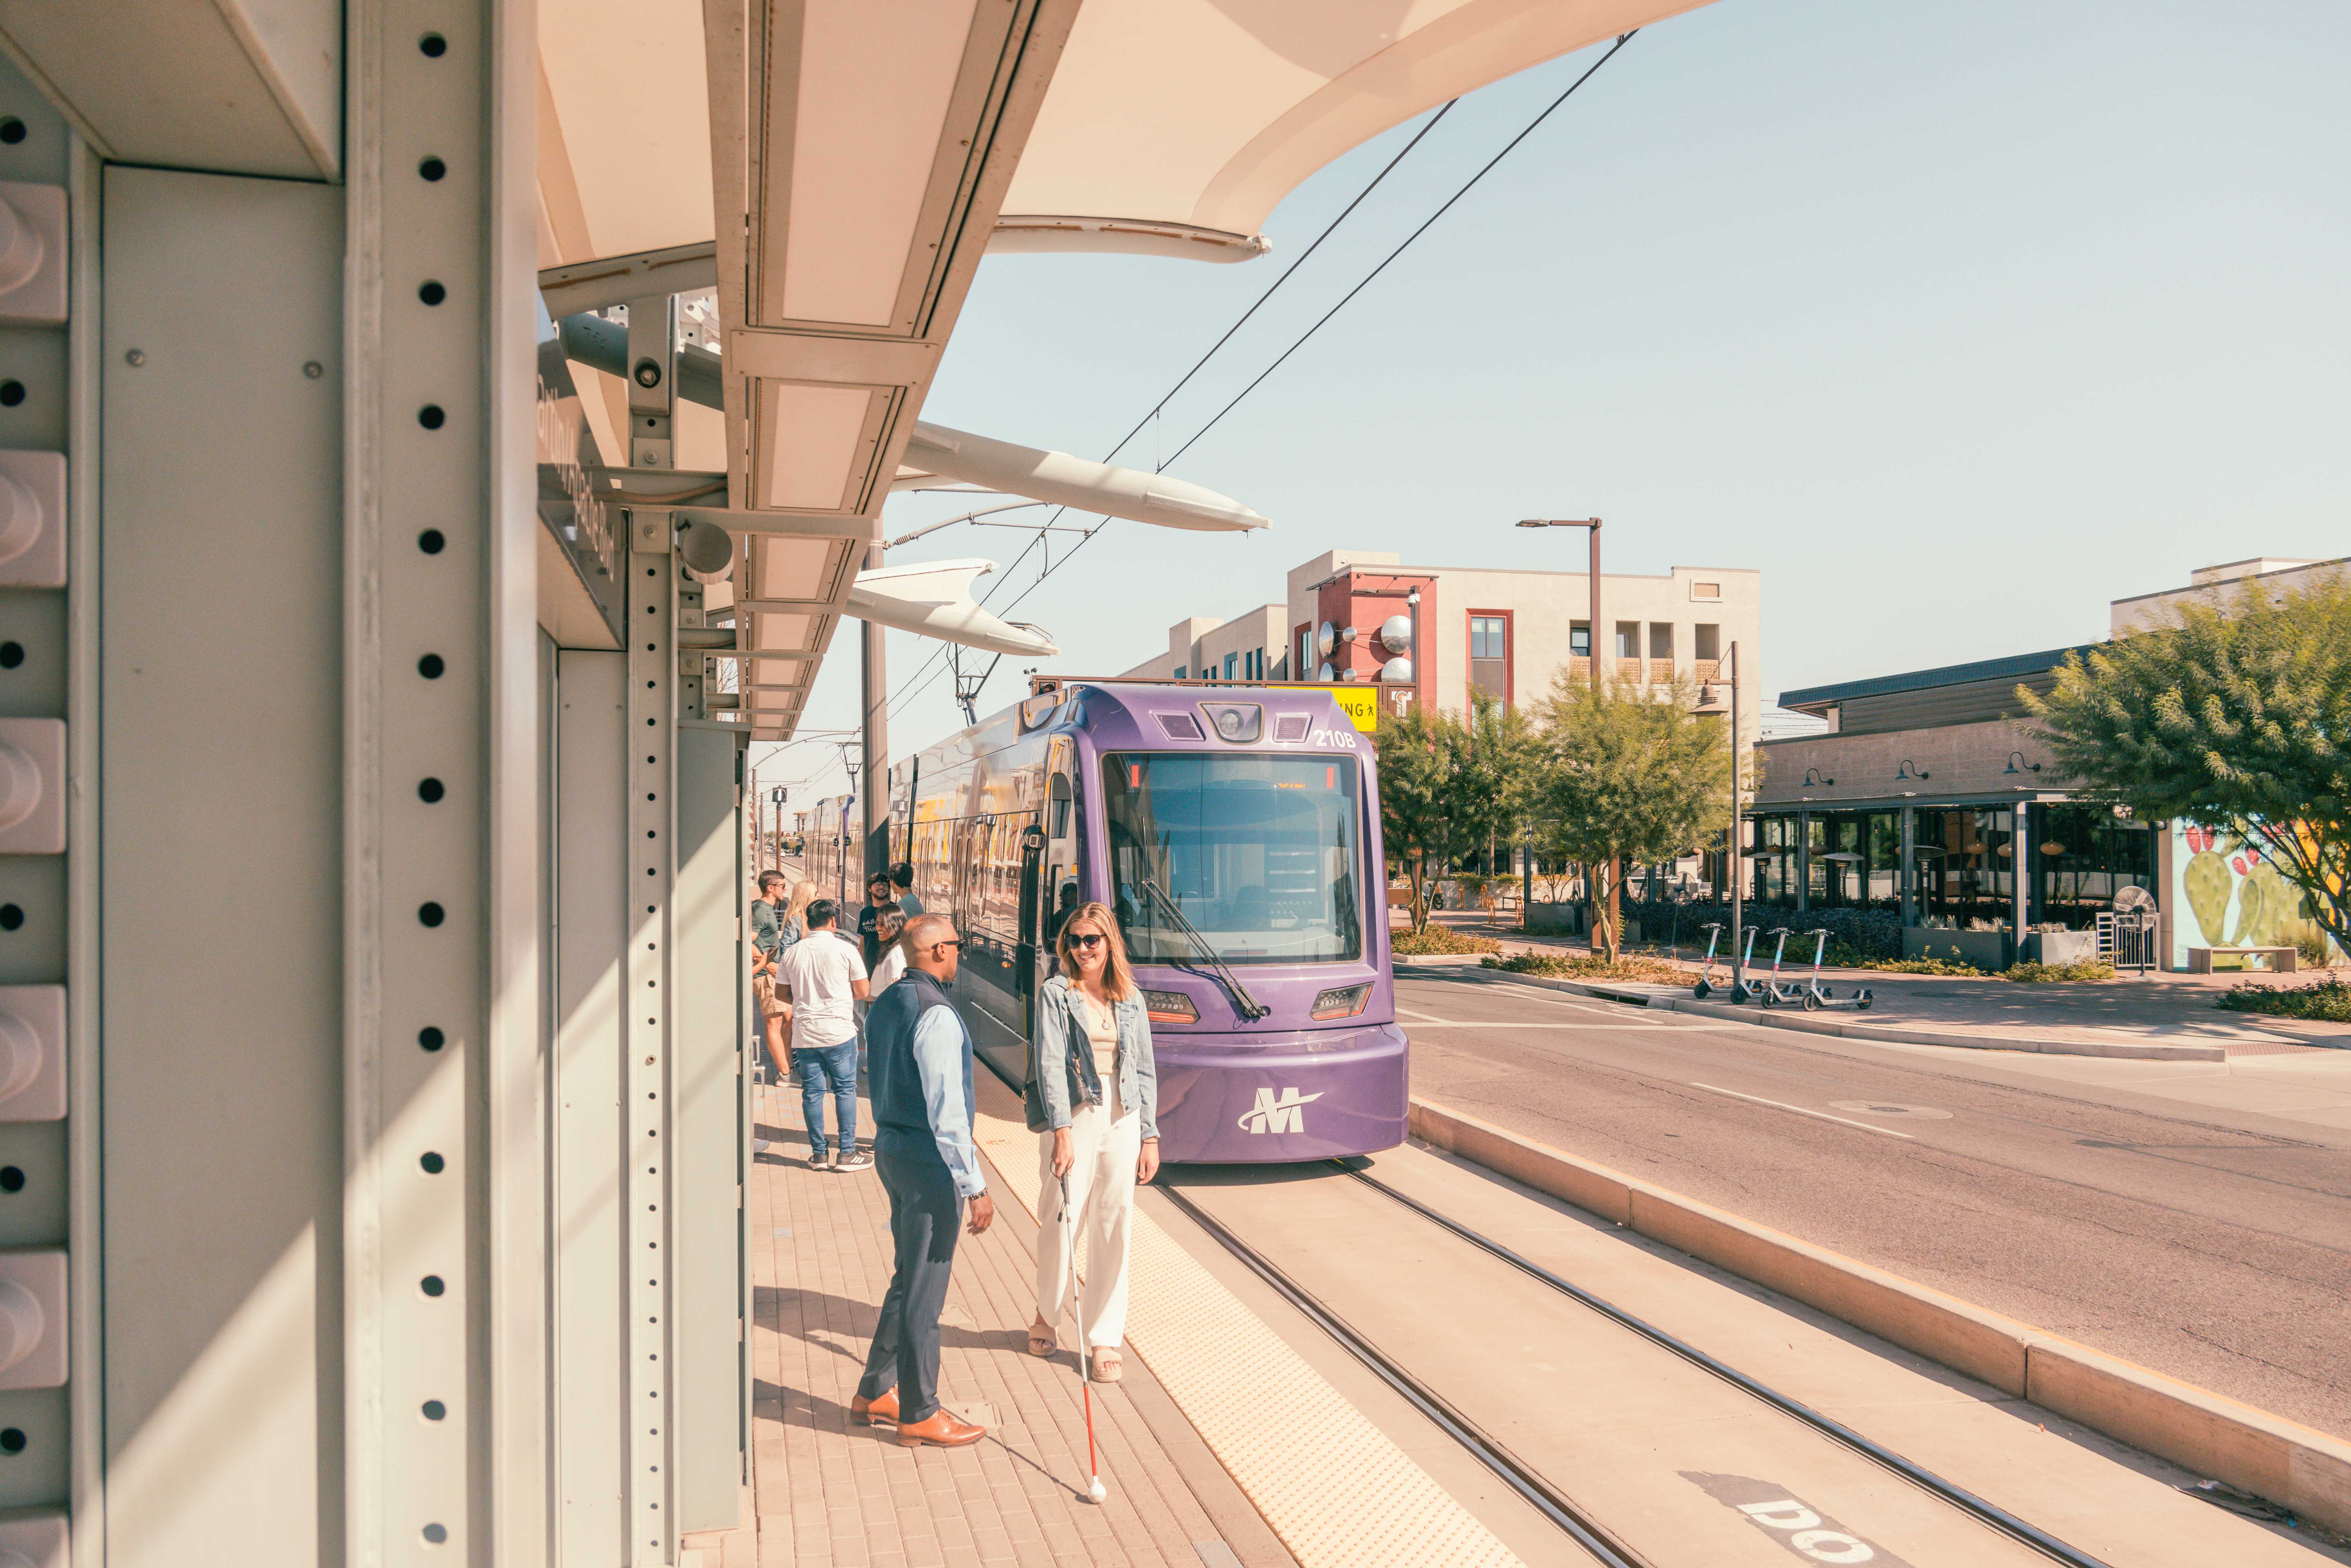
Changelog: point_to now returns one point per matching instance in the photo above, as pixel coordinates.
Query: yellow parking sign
(1360, 704)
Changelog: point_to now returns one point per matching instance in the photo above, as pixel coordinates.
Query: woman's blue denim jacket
(1064, 1057)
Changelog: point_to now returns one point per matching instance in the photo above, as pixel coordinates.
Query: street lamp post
(1732, 837)
(1591, 650)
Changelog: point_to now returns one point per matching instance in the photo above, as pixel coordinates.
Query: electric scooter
(1819, 996)
(1705, 987)
(1774, 993)
(1746, 989)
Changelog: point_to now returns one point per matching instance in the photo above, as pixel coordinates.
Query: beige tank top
(1102, 1032)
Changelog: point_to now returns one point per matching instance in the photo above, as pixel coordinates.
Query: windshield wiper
(1251, 1008)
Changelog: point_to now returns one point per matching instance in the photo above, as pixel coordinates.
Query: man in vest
(918, 1067)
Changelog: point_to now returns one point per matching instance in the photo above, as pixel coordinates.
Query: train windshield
(1262, 855)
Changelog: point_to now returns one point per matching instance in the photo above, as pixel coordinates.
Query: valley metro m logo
(1285, 1113)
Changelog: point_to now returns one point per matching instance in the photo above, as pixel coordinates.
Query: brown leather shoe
(942, 1430)
(882, 1410)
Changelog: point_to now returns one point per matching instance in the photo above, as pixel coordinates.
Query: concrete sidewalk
(2155, 1010)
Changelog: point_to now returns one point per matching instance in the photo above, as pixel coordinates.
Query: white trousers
(1102, 1197)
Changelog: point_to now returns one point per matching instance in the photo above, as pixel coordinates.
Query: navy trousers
(925, 1218)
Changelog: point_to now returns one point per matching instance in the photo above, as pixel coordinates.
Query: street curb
(2305, 1469)
(1812, 1023)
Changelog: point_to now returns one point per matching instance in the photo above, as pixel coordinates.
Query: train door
(1060, 892)
(1024, 955)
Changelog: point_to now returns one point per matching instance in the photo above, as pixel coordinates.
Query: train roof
(1170, 716)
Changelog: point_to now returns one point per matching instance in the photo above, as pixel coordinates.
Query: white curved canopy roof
(839, 167)
(1190, 120)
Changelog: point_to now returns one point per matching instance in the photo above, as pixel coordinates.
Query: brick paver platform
(831, 1492)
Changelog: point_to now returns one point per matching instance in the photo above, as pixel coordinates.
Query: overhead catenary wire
(1320, 321)
(1156, 409)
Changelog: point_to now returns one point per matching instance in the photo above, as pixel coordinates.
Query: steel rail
(1959, 1497)
(1514, 1473)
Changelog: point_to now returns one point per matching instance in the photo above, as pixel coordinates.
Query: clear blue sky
(1957, 322)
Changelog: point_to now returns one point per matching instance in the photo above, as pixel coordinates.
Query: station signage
(1360, 704)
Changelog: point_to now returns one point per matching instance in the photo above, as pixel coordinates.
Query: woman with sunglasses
(1093, 1103)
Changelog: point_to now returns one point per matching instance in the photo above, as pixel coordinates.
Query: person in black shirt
(878, 897)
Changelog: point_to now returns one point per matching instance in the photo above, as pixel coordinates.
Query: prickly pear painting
(2235, 897)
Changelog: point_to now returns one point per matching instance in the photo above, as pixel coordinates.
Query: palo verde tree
(1447, 783)
(2234, 720)
(1629, 774)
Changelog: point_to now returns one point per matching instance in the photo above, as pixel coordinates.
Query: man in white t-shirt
(824, 979)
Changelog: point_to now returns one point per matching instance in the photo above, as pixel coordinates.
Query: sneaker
(820, 1161)
(854, 1160)
(759, 1145)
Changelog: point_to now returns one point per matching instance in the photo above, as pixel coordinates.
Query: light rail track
(1543, 1492)
(1539, 1493)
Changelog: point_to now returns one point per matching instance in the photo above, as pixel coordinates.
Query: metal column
(442, 1291)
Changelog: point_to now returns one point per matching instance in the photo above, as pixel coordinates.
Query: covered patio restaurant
(1923, 799)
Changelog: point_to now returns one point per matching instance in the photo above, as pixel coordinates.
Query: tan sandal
(1043, 1340)
(1108, 1365)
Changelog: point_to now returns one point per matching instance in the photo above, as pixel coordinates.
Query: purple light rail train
(1235, 831)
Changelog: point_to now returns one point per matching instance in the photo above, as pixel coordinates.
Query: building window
(1179, 671)
(1579, 639)
(1661, 641)
(1706, 643)
(1706, 590)
(1230, 660)
(1489, 655)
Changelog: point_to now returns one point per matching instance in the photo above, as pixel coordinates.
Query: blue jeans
(835, 1064)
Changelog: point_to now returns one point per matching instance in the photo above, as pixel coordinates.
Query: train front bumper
(1301, 1095)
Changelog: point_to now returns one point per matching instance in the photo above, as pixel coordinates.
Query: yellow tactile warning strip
(1335, 1488)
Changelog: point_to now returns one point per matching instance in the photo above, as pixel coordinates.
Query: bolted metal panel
(649, 1092)
(443, 1379)
(588, 1242)
(708, 1104)
(220, 595)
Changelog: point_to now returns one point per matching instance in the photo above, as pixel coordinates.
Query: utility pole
(1592, 650)
(1731, 841)
(876, 770)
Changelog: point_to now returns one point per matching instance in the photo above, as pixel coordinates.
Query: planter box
(1565, 918)
(2059, 946)
(1985, 949)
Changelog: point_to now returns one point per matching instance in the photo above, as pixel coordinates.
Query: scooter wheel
(1701, 990)
(1812, 1002)
(1864, 1000)
(1771, 999)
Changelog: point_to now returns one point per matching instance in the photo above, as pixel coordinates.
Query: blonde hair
(803, 895)
(1118, 974)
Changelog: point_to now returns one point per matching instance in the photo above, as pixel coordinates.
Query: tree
(2235, 721)
(1446, 782)
(1629, 774)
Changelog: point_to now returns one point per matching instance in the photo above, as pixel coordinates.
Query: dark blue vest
(891, 1077)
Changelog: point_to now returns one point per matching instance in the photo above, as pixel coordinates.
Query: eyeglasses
(950, 942)
(1091, 939)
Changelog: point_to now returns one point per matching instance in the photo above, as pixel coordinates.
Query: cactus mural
(2235, 897)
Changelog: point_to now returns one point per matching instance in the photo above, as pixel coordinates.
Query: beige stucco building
(1510, 633)
(2218, 586)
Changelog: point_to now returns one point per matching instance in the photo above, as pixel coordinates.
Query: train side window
(1061, 805)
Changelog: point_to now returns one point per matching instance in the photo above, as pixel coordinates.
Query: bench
(2276, 960)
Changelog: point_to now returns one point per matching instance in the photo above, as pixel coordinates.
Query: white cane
(1095, 1490)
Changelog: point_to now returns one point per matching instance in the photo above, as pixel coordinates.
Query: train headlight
(1236, 723)
(1342, 1003)
(1170, 1007)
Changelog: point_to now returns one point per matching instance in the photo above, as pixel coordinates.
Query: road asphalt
(2151, 1215)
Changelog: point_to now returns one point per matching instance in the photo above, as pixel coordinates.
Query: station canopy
(835, 169)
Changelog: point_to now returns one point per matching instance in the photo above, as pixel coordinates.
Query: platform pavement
(2130, 1010)
(828, 1493)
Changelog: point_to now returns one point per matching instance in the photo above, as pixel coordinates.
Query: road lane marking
(1423, 1021)
(1800, 1111)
